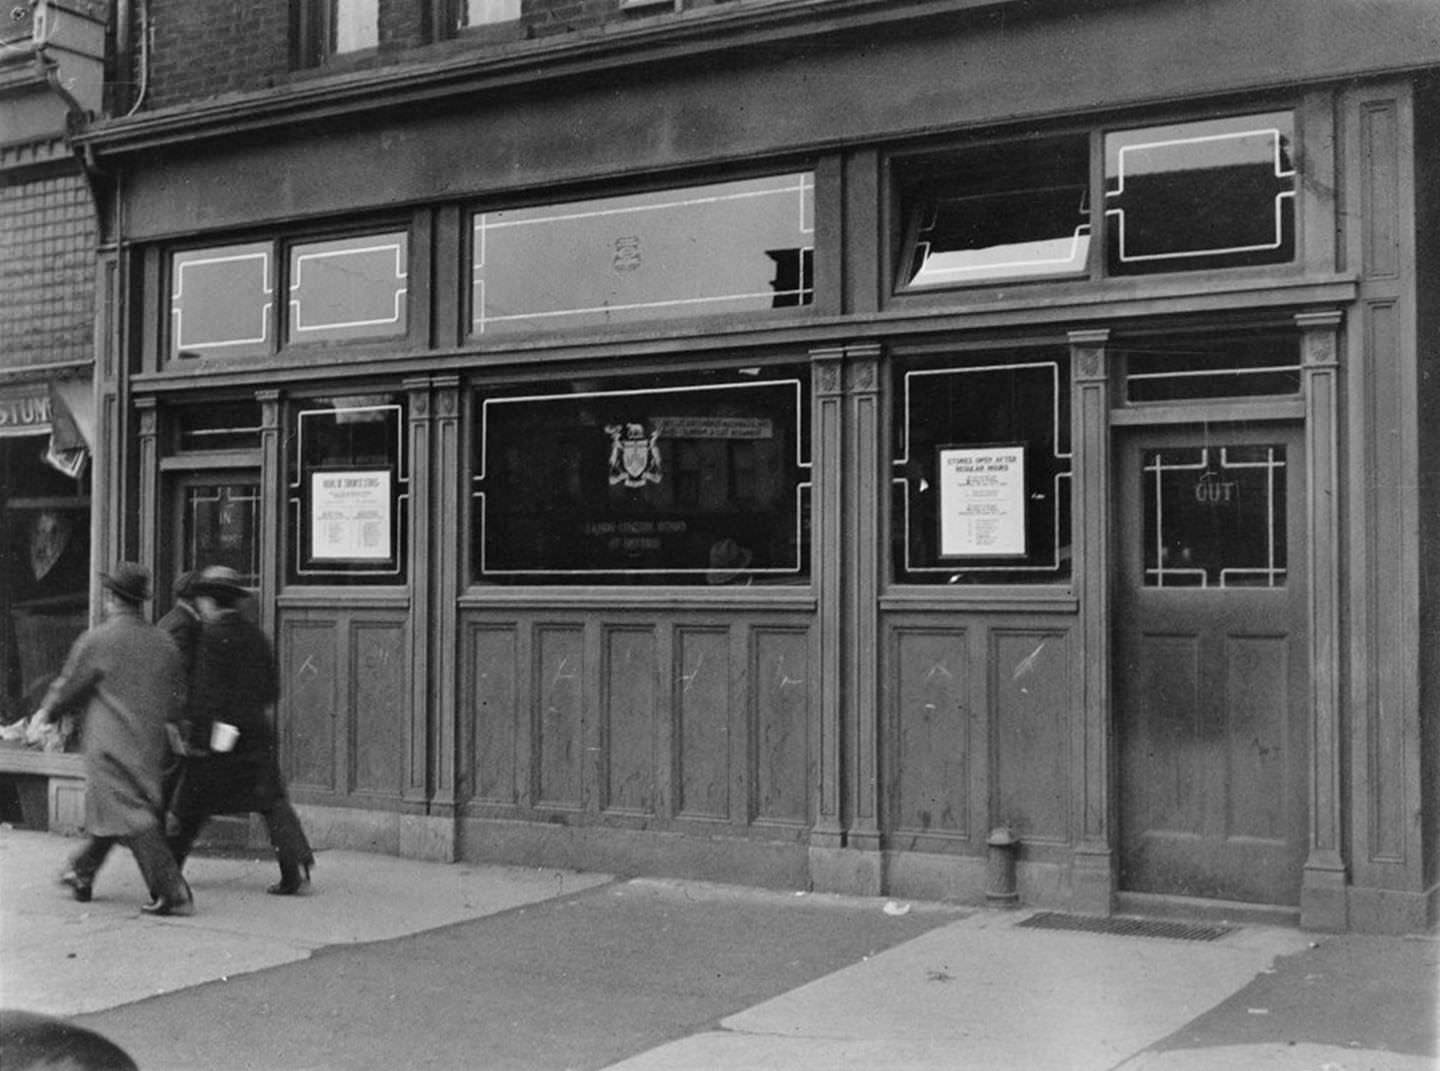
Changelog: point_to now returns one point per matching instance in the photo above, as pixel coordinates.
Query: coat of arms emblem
(634, 454)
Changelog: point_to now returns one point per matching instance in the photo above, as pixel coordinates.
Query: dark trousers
(152, 855)
(287, 836)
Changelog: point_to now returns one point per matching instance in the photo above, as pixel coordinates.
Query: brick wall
(47, 272)
(201, 49)
(205, 48)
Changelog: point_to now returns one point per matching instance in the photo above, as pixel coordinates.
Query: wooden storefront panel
(378, 677)
(981, 711)
(558, 718)
(631, 716)
(489, 718)
(309, 702)
(345, 728)
(654, 721)
(782, 684)
(931, 737)
(703, 705)
(1031, 732)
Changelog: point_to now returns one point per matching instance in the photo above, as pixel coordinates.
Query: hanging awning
(63, 409)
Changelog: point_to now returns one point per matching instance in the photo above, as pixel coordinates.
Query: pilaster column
(827, 538)
(864, 501)
(1322, 893)
(446, 573)
(1093, 859)
(148, 481)
(417, 749)
(270, 522)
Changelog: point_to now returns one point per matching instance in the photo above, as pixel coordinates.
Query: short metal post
(1000, 885)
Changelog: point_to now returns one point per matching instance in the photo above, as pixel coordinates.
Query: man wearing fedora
(233, 681)
(126, 676)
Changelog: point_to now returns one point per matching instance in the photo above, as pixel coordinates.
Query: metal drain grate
(1126, 927)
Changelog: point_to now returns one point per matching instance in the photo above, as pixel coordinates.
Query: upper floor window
(727, 247)
(1017, 210)
(469, 14)
(326, 28)
(1212, 194)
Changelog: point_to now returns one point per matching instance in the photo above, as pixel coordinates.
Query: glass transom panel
(220, 301)
(702, 250)
(1211, 194)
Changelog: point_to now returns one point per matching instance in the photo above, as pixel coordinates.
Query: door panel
(1210, 672)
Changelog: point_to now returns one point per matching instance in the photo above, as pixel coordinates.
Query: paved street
(394, 963)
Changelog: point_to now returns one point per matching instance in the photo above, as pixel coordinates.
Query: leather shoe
(79, 887)
(167, 905)
(291, 884)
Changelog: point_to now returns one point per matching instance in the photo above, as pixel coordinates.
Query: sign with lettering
(982, 501)
(25, 412)
(350, 515)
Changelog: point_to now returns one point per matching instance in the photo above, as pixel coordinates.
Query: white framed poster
(982, 501)
(350, 515)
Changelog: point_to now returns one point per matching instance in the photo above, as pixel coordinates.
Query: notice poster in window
(982, 501)
(350, 515)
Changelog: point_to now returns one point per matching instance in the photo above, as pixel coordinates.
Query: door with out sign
(1211, 662)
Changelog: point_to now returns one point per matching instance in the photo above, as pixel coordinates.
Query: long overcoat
(125, 675)
(234, 680)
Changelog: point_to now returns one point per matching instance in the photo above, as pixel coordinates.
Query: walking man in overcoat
(126, 676)
(233, 682)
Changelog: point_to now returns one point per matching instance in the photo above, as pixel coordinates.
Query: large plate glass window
(987, 213)
(1213, 194)
(728, 247)
(348, 491)
(221, 301)
(697, 479)
(982, 468)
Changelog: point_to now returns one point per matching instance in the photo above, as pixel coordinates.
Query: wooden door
(1211, 664)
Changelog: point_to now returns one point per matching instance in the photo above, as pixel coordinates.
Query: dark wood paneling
(309, 702)
(930, 734)
(379, 718)
(559, 717)
(494, 710)
(1031, 733)
(703, 705)
(630, 720)
(782, 760)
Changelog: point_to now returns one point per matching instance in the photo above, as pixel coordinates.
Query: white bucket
(223, 736)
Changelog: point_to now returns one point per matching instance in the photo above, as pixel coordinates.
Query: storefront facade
(784, 445)
(51, 78)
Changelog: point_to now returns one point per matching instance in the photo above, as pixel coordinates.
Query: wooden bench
(50, 784)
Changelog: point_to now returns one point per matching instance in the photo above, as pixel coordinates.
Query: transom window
(728, 247)
(1188, 196)
(223, 299)
(1212, 194)
(1018, 210)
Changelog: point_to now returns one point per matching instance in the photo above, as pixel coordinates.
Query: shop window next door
(1211, 666)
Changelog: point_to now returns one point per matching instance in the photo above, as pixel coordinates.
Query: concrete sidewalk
(978, 992)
